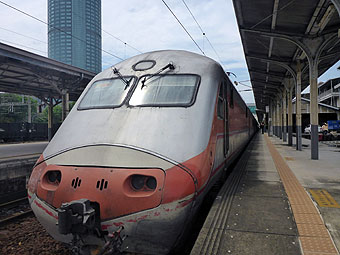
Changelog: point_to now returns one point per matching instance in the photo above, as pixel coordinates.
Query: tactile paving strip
(302, 218)
(312, 230)
(313, 234)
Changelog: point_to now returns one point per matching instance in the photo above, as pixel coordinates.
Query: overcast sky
(146, 25)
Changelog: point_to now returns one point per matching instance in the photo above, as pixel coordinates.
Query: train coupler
(78, 217)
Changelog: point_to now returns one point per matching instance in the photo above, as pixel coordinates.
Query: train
(129, 167)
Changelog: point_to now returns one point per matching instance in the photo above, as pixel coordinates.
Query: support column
(50, 119)
(298, 109)
(279, 118)
(284, 108)
(274, 118)
(65, 105)
(313, 77)
(29, 117)
(29, 110)
(290, 114)
(270, 119)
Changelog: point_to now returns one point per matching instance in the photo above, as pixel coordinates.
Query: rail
(14, 210)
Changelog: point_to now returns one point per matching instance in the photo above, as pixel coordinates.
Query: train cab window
(105, 94)
(165, 90)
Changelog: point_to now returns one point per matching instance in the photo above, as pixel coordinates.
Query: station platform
(16, 164)
(21, 150)
(273, 203)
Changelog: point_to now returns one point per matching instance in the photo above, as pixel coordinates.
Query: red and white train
(140, 149)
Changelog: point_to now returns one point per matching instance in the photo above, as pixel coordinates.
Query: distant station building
(328, 103)
(329, 92)
(74, 33)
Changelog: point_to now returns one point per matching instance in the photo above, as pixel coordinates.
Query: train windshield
(105, 94)
(166, 90)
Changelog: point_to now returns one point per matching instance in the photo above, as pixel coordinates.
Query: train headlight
(151, 182)
(142, 182)
(54, 177)
(51, 180)
(138, 181)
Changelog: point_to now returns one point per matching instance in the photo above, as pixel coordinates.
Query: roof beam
(279, 63)
(272, 84)
(264, 58)
(266, 87)
(287, 35)
(13, 88)
(273, 26)
(331, 55)
(271, 74)
(312, 46)
(28, 57)
(264, 83)
(261, 93)
(337, 5)
(277, 34)
(265, 91)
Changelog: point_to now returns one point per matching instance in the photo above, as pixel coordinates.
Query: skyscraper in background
(74, 33)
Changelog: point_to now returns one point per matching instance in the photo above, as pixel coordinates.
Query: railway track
(13, 210)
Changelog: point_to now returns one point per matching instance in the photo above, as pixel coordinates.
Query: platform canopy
(276, 34)
(23, 72)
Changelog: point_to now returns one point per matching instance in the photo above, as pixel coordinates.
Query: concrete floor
(8, 151)
(317, 174)
(254, 217)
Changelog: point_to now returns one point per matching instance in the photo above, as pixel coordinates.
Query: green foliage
(14, 109)
(43, 117)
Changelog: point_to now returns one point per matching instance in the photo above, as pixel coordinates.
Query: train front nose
(117, 191)
(79, 192)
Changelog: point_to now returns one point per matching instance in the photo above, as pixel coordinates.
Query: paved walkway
(20, 150)
(319, 178)
(257, 216)
(263, 209)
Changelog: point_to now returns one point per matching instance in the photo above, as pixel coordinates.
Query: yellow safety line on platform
(313, 234)
(323, 198)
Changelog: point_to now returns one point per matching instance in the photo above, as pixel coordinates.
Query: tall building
(74, 33)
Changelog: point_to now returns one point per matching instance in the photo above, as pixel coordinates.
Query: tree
(14, 108)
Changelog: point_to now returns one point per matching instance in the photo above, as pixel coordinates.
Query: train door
(226, 118)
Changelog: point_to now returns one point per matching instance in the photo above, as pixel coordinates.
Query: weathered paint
(182, 147)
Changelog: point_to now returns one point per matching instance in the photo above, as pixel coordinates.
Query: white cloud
(147, 25)
(19, 23)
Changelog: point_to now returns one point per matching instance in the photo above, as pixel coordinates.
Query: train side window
(220, 105)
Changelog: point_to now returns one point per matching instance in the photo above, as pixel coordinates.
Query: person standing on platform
(262, 127)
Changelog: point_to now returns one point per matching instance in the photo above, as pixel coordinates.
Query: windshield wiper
(126, 82)
(170, 66)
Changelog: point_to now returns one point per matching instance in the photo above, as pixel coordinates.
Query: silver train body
(147, 160)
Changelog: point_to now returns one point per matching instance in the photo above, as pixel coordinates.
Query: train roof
(184, 62)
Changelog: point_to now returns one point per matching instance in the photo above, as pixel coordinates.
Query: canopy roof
(23, 72)
(274, 33)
